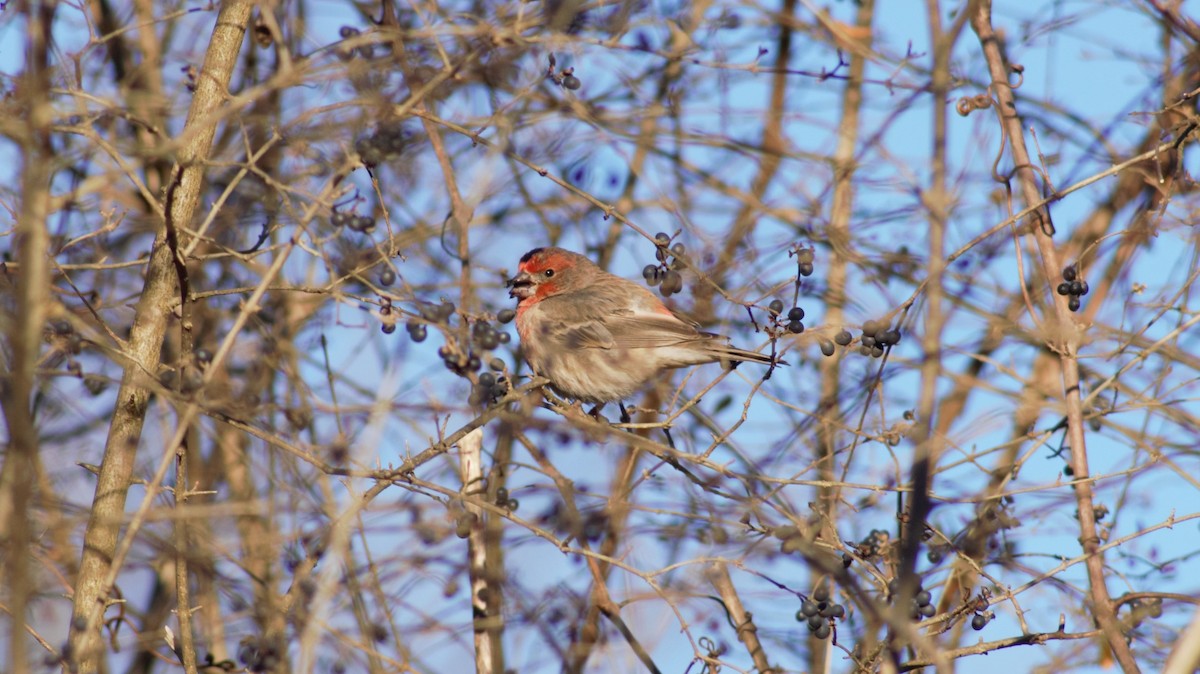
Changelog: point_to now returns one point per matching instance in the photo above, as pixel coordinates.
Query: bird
(599, 338)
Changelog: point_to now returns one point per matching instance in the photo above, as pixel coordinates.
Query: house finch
(598, 337)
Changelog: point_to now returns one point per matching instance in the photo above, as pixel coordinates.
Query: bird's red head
(543, 272)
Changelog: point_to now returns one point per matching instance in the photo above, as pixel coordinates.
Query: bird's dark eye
(548, 273)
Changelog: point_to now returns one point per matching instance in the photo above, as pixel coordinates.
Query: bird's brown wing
(648, 331)
(590, 335)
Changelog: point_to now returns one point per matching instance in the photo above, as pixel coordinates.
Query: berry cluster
(385, 312)
(62, 335)
(874, 544)
(795, 316)
(458, 362)
(463, 361)
(491, 386)
(666, 274)
(504, 501)
(387, 142)
(487, 337)
(352, 221)
(434, 313)
(876, 337)
(819, 613)
(1072, 288)
(979, 605)
(260, 654)
(564, 78)
(922, 602)
(366, 51)
(804, 261)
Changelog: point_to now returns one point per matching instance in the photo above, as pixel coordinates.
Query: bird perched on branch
(598, 337)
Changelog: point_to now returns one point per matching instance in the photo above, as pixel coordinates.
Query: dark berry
(870, 327)
(339, 219)
(1069, 273)
(864, 350)
(795, 314)
(808, 609)
(649, 271)
(1083, 288)
(776, 307)
(837, 611)
(388, 328)
(927, 610)
(672, 282)
(347, 31)
(827, 347)
(417, 332)
(876, 352)
(1064, 289)
(923, 598)
(843, 338)
(506, 315)
(462, 527)
(1073, 303)
(1076, 288)
(893, 336)
(512, 504)
(387, 277)
(503, 337)
(571, 82)
(815, 622)
(489, 379)
(496, 364)
(868, 341)
(881, 336)
(795, 327)
(371, 156)
(662, 238)
(806, 268)
(678, 249)
(978, 622)
(823, 631)
(821, 593)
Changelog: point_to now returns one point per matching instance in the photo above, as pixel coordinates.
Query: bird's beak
(520, 286)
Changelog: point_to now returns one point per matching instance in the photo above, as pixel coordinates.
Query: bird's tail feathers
(733, 353)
